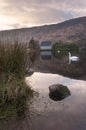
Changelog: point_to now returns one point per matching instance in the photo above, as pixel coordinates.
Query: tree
(33, 44)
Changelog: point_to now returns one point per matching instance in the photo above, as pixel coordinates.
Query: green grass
(64, 48)
(14, 93)
(13, 98)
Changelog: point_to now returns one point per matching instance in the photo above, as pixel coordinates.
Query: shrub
(64, 48)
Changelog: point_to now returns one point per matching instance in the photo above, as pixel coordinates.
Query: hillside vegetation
(73, 30)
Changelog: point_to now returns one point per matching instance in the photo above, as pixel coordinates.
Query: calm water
(45, 114)
(48, 63)
(67, 114)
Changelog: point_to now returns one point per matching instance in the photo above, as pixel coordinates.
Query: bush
(64, 48)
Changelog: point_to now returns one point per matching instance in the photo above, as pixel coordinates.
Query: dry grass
(14, 61)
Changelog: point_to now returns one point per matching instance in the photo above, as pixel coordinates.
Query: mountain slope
(73, 30)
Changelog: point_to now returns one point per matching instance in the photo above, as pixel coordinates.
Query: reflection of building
(46, 55)
(46, 45)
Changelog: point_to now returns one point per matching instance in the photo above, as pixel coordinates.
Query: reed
(14, 59)
(14, 93)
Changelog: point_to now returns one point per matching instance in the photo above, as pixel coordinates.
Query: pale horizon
(30, 13)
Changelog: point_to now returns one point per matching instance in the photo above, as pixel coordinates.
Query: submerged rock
(58, 92)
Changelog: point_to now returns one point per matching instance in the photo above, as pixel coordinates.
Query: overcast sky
(27, 13)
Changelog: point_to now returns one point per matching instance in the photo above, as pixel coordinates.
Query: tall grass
(14, 59)
(14, 98)
(14, 62)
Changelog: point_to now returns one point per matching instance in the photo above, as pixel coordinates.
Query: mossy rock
(58, 92)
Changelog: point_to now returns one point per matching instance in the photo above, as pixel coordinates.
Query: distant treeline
(66, 46)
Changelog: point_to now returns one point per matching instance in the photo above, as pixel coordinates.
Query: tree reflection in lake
(47, 62)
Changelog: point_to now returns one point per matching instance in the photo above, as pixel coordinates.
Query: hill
(73, 30)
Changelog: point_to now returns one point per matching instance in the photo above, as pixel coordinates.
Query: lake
(46, 62)
(69, 113)
(43, 112)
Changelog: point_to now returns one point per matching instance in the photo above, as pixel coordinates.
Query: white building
(46, 45)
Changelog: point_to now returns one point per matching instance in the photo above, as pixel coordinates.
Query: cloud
(36, 12)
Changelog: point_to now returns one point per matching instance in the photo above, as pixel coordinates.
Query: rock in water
(58, 92)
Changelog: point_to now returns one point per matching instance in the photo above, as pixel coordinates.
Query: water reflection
(61, 64)
(58, 92)
(46, 55)
(65, 114)
(73, 58)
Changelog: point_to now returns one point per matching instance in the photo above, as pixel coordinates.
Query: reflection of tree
(61, 66)
(83, 59)
(75, 69)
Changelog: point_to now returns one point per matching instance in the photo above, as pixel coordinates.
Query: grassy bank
(14, 93)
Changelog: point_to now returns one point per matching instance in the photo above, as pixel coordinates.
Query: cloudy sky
(27, 13)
